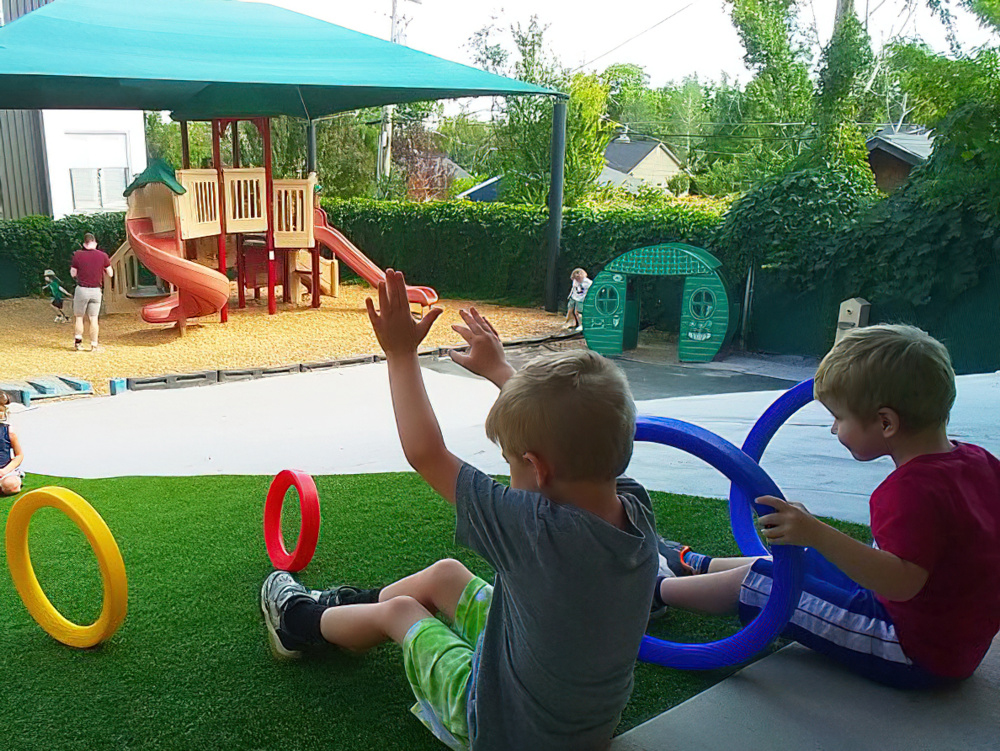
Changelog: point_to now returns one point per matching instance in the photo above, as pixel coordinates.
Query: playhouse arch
(611, 310)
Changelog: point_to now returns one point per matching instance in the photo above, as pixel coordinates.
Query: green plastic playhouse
(611, 310)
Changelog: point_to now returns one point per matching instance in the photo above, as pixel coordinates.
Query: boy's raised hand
(790, 524)
(485, 357)
(394, 325)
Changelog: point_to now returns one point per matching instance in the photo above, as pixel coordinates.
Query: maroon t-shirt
(942, 512)
(90, 265)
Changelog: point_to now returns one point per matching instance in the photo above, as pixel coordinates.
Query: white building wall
(103, 147)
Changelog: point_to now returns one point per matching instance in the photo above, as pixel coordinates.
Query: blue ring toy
(740, 507)
(743, 472)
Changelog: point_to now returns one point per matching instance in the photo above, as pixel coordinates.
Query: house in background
(642, 159)
(893, 153)
(60, 162)
(628, 163)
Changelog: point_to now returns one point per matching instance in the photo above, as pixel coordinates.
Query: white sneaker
(94, 346)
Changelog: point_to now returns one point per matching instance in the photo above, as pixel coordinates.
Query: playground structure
(194, 227)
(611, 309)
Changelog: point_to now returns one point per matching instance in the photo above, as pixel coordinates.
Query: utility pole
(385, 138)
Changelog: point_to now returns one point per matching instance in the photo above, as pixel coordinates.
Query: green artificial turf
(190, 667)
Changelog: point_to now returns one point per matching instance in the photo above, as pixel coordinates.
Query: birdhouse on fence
(853, 315)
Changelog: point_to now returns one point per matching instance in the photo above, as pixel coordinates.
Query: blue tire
(744, 473)
(741, 509)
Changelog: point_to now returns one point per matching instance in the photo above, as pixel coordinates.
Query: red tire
(299, 558)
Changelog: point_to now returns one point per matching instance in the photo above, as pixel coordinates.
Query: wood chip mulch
(31, 344)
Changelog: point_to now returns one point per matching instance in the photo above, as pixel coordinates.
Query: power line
(613, 49)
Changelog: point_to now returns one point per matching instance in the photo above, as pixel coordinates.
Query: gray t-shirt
(554, 666)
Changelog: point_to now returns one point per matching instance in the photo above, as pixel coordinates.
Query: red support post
(264, 126)
(217, 127)
(241, 273)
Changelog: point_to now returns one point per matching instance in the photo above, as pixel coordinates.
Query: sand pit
(33, 345)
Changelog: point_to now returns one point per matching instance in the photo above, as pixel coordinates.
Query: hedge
(462, 249)
(36, 243)
(497, 251)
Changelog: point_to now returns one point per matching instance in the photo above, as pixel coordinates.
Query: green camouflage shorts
(438, 662)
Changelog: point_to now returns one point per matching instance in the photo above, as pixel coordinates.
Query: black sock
(301, 621)
(361, 597)
(657, 600)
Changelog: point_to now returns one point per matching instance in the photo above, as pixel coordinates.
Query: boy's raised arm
(419, 432)
(485, 357)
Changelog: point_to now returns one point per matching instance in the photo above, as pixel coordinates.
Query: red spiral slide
(361, 264)
(201, 291)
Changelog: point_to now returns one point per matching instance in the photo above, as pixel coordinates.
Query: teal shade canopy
(203, 59)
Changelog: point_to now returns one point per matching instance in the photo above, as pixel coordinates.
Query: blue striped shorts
(842, 620)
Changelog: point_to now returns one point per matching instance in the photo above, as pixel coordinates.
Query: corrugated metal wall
(24, 185)
(14, 9)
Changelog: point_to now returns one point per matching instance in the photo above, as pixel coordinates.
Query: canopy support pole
(554, 232)
(217, 128)
(311, 153)
(235, 125)
(185, 146)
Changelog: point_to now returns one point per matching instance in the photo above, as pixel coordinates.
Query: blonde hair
(894, 366)
(4, 402)
(575, 409)
(582, 273)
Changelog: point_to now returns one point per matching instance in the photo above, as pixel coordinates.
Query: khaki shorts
(87, 301)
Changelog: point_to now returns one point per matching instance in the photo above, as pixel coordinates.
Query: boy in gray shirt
(543, 658)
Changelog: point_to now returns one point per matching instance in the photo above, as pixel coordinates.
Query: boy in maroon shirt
(921, 606)
(88, 267)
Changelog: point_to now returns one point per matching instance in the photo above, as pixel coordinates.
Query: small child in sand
(580, 283)
(53, 285)
(11, 454)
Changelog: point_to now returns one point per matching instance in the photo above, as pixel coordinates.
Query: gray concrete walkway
(340, 422)
(796, 700)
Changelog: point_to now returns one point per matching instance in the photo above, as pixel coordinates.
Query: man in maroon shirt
(88, 267)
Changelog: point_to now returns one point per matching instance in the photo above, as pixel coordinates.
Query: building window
(98, 187)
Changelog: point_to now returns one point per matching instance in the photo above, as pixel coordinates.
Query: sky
(699, 39)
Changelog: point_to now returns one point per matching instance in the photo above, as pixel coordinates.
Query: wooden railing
(125, 283)
(293, 213)
(244, 202)
(198, 208)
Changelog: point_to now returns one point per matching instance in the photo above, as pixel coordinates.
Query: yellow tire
(109, 558)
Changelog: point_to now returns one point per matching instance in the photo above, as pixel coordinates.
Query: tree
(523, 125)
(684, 114)
(163, 140)
(630, 100)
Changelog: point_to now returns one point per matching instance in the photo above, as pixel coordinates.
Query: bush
(36, 243)
(794, 223)
(498, 251)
